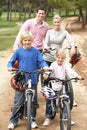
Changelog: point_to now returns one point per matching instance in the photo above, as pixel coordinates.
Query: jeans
(49, 108)
(19, 99)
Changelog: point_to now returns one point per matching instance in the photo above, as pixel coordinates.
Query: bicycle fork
(28, 91)
(64, 97)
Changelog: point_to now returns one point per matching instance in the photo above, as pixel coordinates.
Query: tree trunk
(8, 8)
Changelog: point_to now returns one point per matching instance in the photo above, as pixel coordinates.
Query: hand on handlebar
(10, 68)
(45, 76)
(46, 68)
(80, 77)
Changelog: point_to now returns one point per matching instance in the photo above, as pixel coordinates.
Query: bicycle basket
(48, 93)
(18, 82)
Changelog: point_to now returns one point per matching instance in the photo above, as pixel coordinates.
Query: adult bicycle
(60, 101)
(18, 82)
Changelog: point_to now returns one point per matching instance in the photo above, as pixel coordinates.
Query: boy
(29, 58)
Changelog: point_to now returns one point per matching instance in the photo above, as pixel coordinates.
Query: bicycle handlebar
(29, 72)
(65, 80)
(48, 51)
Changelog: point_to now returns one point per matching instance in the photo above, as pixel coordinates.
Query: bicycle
(74, 59)
(60, 101)
(29, 92)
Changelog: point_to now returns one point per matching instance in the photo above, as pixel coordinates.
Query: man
(37, 26)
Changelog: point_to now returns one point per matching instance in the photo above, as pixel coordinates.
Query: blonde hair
(60, 52)
(56, 16)
(26, 34)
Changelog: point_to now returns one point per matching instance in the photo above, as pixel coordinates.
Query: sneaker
(34, 124)
(11, 126)
(75, 104)
(72, 123)
(46, 122)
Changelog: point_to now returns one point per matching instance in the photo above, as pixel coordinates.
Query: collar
(35, 22)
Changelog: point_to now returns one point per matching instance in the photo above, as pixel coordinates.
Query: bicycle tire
(65, 116)
(29, 107)
(69, 92)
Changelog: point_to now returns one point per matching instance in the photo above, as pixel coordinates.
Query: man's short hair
(40, 8)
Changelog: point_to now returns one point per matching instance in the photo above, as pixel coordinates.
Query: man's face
(40, 15)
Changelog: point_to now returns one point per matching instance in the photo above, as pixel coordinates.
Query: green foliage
(82, 3)
(1, 11)
(49, 20)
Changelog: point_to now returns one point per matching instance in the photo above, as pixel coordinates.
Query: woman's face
(26, 42)
(56, 23)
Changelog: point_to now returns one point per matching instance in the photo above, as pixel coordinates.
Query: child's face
(60, 59)
(26, 42)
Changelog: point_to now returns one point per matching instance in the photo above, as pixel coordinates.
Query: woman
(55, 38)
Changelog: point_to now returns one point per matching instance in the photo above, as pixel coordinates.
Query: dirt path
(79, 113)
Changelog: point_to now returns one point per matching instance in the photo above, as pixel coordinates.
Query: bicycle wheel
(69, 91)
(29, 104)
(65, 116)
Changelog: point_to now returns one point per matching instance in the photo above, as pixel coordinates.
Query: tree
(82, 7)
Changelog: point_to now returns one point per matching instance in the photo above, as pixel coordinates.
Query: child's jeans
(49, 108)
(19, 99)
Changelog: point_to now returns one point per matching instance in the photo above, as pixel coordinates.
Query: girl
(59, 70)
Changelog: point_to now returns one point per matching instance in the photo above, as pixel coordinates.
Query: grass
(6, 24)
(9, 31)
(7, 43)
(7, 37)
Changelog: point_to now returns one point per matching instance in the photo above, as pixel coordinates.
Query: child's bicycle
(73, 60)
(60, 101)
(18, 82)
